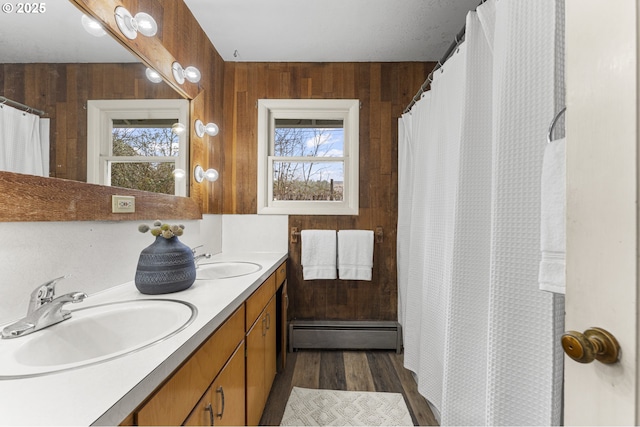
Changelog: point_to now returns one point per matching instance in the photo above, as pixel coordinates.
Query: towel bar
(295, 232)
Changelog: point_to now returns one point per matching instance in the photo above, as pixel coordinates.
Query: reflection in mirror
(134, 144)
(51, 63)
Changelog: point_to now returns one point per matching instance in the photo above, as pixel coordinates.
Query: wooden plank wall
(62, 91)
(384, 89)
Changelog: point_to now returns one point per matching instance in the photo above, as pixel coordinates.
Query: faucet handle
(43, 294)
(193, 250)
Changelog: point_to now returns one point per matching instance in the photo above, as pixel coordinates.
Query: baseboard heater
(345, 334)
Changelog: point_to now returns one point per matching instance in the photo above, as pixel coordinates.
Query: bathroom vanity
(218, 369)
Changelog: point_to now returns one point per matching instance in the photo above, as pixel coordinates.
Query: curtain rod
(452, 47)
(12, 103)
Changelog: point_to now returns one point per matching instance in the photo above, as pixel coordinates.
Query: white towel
(355, 254)
(551, 276)
(318, 254)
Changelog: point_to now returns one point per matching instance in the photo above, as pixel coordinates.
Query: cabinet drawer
(259, 299)
(173, 402)
(281, 274)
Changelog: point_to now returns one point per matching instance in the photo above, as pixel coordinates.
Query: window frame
(347, 110)
(100, 116)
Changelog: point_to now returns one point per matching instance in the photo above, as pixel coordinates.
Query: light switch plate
(123, 204)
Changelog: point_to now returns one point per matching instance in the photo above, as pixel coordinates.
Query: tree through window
(308, 156)
(133, 144)
(316, 179)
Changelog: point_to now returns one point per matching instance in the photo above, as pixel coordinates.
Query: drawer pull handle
(268, 320)
(209, 409)
(221, 391)
(264, 326)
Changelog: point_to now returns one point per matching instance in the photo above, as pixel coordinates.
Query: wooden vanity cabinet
(172, 403)
(227, 380)
(261, 348)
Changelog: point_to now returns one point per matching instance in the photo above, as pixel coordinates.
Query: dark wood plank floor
(346, 370)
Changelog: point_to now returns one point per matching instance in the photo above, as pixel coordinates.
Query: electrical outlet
(123, 204)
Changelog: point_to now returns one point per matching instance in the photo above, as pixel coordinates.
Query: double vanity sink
(132, 339)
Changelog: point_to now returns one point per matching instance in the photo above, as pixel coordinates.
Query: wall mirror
(51, 63)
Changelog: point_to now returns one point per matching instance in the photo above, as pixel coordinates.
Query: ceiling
(259, 30)
(331, 30)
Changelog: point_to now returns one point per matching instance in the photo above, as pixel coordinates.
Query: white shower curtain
(24, 142)
(479, 335)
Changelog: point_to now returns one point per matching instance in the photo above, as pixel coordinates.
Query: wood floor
(346, 370)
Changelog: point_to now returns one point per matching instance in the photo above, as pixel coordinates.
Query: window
(308, 156)
(131, 144)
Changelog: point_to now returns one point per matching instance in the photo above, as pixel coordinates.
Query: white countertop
(106, 393)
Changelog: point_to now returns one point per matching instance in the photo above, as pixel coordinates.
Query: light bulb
(179, 173)
(153, 75)
(178, 128)
(211, 129)
(143, 23)
(92, 26)
(211, 175)
(146, 24)
(192, 74)
(200, 174)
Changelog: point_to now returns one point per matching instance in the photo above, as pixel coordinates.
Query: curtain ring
(553, 124)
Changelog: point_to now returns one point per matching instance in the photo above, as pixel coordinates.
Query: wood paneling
(65, 200)
(384, 89)
(62, 92)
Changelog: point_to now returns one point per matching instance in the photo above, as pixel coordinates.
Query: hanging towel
(318, 254)
(355, 254)
(552, 227)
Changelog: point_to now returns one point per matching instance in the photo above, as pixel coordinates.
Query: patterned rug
(308, 407)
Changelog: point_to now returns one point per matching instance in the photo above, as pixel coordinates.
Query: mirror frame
(32, 198)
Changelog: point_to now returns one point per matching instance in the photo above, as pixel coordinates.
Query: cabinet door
(270, 346)
(173, 402)
(256, 397)
(203, 413)
(223, 403)
(228, 392)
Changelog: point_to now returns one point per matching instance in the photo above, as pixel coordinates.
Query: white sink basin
(226, 269)
(94, 335)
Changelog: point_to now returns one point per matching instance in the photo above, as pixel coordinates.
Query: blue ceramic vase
(164, 267)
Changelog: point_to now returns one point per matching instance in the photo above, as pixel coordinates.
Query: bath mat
(310, 407)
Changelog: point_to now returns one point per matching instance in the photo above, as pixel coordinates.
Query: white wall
(98, 255)
(102, 254)
(255, 233)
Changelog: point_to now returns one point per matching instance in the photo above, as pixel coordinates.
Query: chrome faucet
(44, 310)
(198, 258)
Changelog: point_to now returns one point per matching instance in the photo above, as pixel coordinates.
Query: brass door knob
(594, 343)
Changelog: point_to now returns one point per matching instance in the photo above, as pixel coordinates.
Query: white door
(602, 209)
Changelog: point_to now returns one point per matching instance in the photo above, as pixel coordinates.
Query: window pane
(317, 138)
(156, 177)
(308, 180)
(144, 138)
